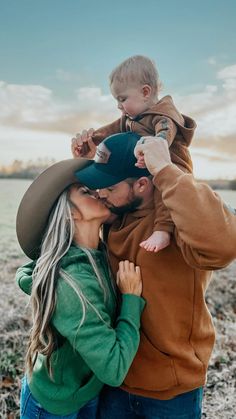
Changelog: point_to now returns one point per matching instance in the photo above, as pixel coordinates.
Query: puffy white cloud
(33, 123)
(228, 76)
(214, 110)
(29, 113)
(35, 107)
(197, 103)
(227, 72)
(100, 108)
(27, 105)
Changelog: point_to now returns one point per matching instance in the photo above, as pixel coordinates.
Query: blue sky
(56, 56)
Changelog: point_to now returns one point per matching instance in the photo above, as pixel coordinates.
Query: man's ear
(147, 91)
(141, 185)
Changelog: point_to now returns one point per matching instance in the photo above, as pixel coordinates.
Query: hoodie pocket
(151, 369)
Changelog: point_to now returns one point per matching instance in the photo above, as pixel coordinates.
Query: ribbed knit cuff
(132, 307)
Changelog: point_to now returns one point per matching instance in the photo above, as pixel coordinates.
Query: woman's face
(86, 204)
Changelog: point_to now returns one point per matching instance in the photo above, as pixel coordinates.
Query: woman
(76, 343)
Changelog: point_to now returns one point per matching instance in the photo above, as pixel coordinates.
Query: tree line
(30, 169)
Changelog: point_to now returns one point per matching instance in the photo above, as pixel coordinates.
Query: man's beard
(130, 207)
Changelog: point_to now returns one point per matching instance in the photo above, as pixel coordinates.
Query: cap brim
(97, 179)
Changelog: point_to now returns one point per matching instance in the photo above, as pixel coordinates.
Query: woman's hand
(129, 278)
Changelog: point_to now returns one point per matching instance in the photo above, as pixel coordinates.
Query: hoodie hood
(166, 107)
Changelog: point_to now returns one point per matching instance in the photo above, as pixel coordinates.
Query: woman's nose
(120, 106)
(102, 193)
(95, 194)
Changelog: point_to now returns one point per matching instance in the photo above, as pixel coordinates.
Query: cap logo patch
(102, 154)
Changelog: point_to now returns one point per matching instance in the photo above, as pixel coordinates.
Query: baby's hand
(155, 151)
(140, 161)
(82, 145)
(139, 155)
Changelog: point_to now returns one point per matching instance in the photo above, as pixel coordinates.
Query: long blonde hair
(55, 244)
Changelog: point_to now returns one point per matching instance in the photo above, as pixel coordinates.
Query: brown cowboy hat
(38, 200)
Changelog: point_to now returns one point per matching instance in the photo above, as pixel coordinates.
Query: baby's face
(130, 100)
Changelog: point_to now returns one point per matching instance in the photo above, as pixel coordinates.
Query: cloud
(226, 146)
(35, 108)
(206, 167)
(212, 154)
(228, 77)
(227, 72)
(26, 144)
(197, 103)
(211, 60)
(26, 105)
(34, 112)
(34, 123)
(67, 76)
(214, 110)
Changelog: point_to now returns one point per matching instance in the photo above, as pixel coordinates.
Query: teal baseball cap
(114, 162)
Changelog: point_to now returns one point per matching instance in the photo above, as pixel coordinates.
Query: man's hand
(156, 153)
(82, 145)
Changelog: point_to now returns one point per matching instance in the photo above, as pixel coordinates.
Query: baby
(135, 86)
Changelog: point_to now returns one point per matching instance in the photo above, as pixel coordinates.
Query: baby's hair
(137, 70)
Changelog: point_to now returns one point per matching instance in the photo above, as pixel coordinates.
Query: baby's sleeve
(165, 128)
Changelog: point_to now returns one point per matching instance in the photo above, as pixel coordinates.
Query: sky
(56, 57)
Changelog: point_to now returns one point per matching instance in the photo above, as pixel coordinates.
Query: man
(177, 336)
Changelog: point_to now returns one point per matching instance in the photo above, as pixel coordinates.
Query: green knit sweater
(100, 351)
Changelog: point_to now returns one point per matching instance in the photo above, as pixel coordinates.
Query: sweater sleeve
(101, 133)
(24, 277)
(205, 226)
(165, 128)
(108, 351)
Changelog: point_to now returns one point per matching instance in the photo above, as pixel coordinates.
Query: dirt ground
(219, 400)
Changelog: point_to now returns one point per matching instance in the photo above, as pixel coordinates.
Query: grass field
(219, 401)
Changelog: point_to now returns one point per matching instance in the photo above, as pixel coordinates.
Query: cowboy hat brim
(38, 201)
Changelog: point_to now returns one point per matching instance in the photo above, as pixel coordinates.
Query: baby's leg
(162, 226)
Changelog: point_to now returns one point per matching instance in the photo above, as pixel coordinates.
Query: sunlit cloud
(227, 72)
(206, 167)
(29, 113)
(214, 109)
(28, 105)
(209, 164)
(26, 144)
(36, 108)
